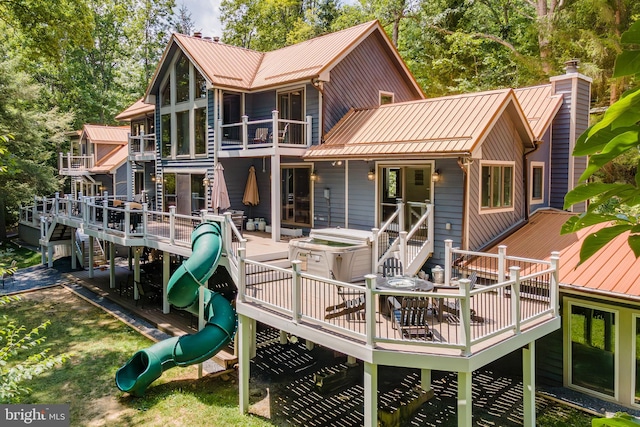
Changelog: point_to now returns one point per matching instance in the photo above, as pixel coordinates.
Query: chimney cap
(216, 39)
(197, 34)
(572, 65)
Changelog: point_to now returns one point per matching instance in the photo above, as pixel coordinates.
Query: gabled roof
(540, 107)
(112, 161)
(100, 134)
(451, 125)
(244, 69)
(613, 270)
(137, 109)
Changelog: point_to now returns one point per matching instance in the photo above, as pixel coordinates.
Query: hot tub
(336, 253)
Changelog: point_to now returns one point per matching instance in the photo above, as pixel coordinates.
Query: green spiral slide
(145, 366)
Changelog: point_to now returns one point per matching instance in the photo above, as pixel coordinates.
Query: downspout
(317, 84)
(463, 166)
(525, 178)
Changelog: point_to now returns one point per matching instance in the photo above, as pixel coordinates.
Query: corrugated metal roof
(614, 269)
(138, 108)
(447, 125)
(99, 134)
(540, 106)
(113, 160)
(234, 67)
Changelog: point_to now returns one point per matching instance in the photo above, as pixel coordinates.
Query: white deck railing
(70, 164)
(260, 133)
(458, 319)
(142, 145)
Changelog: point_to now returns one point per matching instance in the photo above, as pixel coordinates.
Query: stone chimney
(569, 123)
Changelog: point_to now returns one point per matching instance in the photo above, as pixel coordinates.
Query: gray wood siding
(583, 105)
(102, 150)
(560, 146)
(362, 196)
(313, 110)
(502, 144)
(329, 213)
(448, 199)
(121, 181)
(542, 154)
(549, 359)
(358, 78)
(259, 105)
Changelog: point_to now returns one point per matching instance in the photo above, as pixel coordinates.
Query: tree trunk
(545, 26)
(614, 94)
(3, 220)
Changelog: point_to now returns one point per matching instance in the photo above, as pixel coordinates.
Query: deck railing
(70, 164)
(260, 133)
(412, 247)
(455, 319)
(142, 145)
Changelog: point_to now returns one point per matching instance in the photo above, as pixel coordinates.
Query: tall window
(170, 197)
(165, 98)
(200, 85)
(496, 186)
(198, 200)
(165, 126)
(201, 130)
(291, 107)
(537, 182)
(182, 79)
(593, 348)
(182, 128)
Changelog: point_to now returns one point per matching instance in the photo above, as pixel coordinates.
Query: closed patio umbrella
(251, 196)
(219, 194)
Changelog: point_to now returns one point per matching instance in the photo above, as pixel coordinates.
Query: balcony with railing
(70, 165)
(142, 147)
(255, 134)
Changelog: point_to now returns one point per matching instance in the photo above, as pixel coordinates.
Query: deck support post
(166, 272)
(276, 196)
(112, 265)
(50, 256)
(425, 379)
(370, 394)
(90, 249)
(529, 384)
(244, 341)
(465, 399)
(74, 255)
(136, 272)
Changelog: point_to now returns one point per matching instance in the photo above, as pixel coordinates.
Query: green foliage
(620, 419)
(18, 362)
(617, 134)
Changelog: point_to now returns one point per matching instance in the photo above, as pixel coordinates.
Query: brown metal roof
(137, 109)
(612, 270)
(110, 162)
(99, 134)
(540, 107)
(449, 125)
(243, 69)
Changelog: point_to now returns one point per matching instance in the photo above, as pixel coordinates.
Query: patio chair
(453, 307)
(146, 293)
(392, 267)
(261, 135)
(8, 274)
(410, 316)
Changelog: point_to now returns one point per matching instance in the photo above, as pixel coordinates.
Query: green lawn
(24, 257)
(99, 344)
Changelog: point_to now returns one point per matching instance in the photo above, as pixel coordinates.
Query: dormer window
(386, 98)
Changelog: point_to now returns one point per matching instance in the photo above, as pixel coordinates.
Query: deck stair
(82, 250)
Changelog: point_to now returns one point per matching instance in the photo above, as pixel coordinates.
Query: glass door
(291, 107)
(295, 193)
(407, 184)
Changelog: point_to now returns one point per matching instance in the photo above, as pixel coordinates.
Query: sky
(205, 15)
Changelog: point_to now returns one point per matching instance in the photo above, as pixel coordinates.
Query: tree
(183, 22)
(35, 132)
(616, 135)
(17, 366)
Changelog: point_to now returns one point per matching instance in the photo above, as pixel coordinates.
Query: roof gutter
(399, 156)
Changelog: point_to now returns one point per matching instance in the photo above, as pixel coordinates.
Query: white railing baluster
(370, 309)
(245, 132)
(554, 283)
(309, 132)
(296, 291)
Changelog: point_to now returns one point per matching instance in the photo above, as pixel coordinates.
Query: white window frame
(634, 318)
(490, 210)
(191, 105)
(382, 93)
(532, 200)
(570, 303)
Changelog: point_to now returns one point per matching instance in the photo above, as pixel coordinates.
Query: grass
(24, 257)
(99, 344)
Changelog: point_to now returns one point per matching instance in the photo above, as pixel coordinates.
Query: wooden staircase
(82, 251)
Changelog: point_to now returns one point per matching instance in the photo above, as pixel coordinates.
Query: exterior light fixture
(206, 181)
(435, 177)
(313, 176)
(153, 177)
(371, 175)
(336, 163)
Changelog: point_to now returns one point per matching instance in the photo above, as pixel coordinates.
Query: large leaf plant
(616, 134)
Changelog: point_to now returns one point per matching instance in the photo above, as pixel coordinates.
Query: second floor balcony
(71, 165)
(142, 147)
